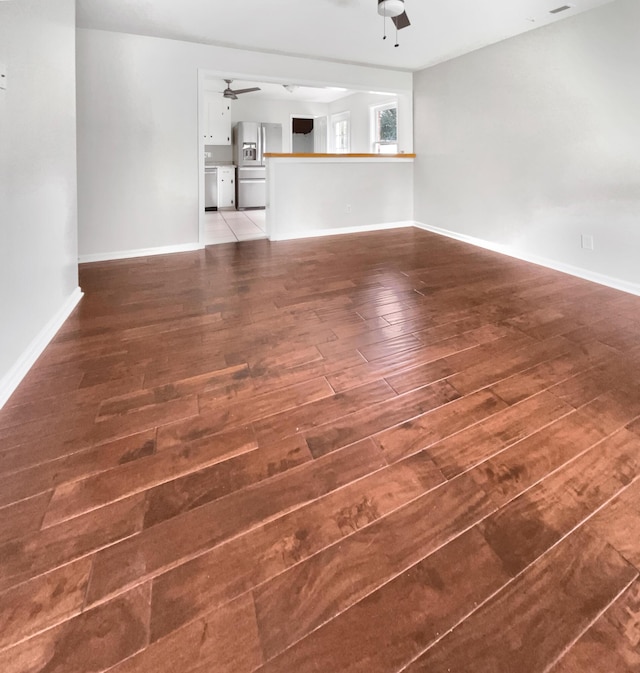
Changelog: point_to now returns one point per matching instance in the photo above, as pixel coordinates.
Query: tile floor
(229, 226)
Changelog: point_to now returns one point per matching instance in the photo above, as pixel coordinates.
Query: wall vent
(557, 10)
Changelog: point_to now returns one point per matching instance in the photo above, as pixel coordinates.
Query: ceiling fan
(234, 93)
(395, 10)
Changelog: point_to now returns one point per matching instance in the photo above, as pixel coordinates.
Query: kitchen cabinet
(226, 187)
(216, 119)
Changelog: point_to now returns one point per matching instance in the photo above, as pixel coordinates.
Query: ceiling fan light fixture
(390, 7)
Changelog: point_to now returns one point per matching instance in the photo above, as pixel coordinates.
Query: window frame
(341, 117)
(376, 143)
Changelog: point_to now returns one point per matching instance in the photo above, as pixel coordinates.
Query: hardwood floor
(369, 454)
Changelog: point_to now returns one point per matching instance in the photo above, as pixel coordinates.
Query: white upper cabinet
(216, 119)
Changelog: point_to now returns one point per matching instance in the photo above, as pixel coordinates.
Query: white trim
(11, 380)
(143, 252)
(336, 119)
(373, 126)
(578, 272)
(342, 230)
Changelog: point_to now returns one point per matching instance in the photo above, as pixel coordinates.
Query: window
(341, 132)
(384, 128)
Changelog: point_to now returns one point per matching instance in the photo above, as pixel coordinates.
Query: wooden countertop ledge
(279, 155)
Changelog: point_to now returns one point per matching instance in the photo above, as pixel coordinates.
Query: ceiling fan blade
(253, 88)
(401, 21)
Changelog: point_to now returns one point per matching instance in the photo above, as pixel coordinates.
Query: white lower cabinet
(226, 187)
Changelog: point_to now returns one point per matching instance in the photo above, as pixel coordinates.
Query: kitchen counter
(219, 185)
(318, 155)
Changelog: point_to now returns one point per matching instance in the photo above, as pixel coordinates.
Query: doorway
(302, 135)
(308, 134)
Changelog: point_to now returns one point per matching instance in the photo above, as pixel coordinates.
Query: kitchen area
(234, 171)
(242, 123)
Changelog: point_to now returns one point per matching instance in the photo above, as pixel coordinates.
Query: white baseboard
(11, 380)
(578, 272)
(143, 252)
(340, 230)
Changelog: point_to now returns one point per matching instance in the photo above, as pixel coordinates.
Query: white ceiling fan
(394, 9)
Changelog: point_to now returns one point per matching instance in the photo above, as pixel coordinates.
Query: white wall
(137, 131)
(355, 194)
(38, 216)
(531, 142)
(137, 144)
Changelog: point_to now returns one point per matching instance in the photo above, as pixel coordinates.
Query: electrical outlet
(347, 208)
(587, 242)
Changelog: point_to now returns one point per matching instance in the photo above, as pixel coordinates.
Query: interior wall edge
(578, 272)
(142, 252)
(290, 236)
(12, 379)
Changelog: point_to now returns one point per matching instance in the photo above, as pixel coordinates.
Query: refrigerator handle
(264, 142)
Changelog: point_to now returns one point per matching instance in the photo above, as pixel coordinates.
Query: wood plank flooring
(370, 453)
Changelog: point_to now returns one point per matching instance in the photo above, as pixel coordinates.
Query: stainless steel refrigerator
(251, 140)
